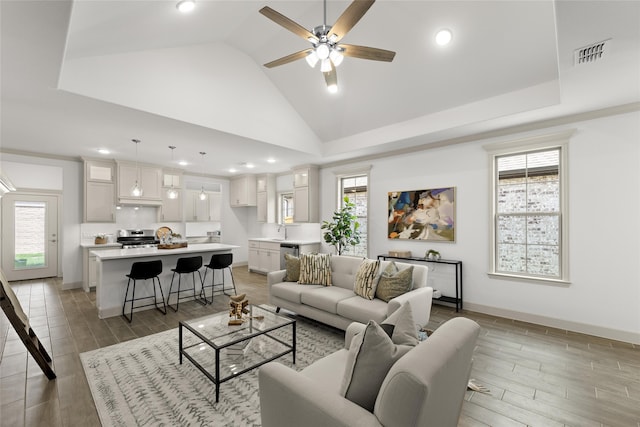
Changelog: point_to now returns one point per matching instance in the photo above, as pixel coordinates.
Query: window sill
(530, 279)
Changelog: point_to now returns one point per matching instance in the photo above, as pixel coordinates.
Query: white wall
(36, 173)
(604, 216)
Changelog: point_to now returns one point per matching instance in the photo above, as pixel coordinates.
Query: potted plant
(344, 229)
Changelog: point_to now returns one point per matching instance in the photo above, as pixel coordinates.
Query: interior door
(29, 236)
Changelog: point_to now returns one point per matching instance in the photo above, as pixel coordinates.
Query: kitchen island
(113, 265)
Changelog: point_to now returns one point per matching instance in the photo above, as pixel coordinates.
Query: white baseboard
(72, 285)
(583, 328)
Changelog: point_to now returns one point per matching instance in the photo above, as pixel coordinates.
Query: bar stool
(218, 262)
(144, 270)
(186, 266)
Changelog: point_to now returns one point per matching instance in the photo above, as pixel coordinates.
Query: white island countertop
(108, 254)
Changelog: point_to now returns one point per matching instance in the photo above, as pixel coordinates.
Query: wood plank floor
(537, 376)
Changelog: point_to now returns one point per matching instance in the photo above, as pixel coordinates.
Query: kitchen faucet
(280, 227)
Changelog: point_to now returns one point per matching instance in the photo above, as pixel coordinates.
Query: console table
(457, 300)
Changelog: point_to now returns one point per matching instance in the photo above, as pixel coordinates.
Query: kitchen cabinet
(306, 203)
(264, 257)
(99, 191)
(207, 210)
(242, 191)
(148, 177)
(90, 267)
(171, 209)
(266, 198)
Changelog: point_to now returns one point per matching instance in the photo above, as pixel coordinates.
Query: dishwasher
(288, 248)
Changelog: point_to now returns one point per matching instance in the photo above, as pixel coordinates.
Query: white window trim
(535, 143)
(359, 171)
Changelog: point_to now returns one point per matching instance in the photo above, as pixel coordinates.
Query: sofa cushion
(325, 298)
(344, 269)
(401, 327)
(362, 310)
(315, 269)
(292, 265)
(291, 291)
(365, 283)
(394, 282)
(371, 355)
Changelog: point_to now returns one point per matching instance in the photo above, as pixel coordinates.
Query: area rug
(141, 382)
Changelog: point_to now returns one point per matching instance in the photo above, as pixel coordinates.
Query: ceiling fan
(325, 40)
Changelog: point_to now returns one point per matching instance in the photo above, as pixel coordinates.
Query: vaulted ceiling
(83, 75)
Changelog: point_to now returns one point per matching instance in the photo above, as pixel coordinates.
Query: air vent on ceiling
(591, 53)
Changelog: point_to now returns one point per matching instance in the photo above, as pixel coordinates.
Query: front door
(29, 236)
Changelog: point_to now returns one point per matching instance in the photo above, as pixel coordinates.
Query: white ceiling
(78, 76)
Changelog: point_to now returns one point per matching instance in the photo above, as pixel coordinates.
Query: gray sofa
(338, 305)
(425, 387)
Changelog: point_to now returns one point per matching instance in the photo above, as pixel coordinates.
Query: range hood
(133, 201)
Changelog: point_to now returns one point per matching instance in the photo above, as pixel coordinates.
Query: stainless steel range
(139, 238)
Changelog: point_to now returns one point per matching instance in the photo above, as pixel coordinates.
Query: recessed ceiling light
(183, 163)
(443, 37)
(103, 151)
(233, 170)
(186, 6)
(250, 166)
(271, 160)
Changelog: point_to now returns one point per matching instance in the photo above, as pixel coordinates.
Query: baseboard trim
(72, 285)
(568, 325)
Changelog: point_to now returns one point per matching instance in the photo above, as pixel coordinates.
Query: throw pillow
(401, 327)
(371, 355)
(315, 269)
(292, 264)
(365, 284)
(394, 282)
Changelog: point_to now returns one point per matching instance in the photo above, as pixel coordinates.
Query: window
(355, 188)
(528, 228)
(285, 208)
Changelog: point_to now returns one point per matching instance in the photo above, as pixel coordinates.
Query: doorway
(29, 236)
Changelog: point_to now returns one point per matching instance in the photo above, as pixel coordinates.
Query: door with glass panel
(29, 236)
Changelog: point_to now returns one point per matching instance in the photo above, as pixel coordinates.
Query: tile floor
(536, 375)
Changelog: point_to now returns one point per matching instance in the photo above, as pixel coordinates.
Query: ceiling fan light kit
(325, 41)
(186, 6)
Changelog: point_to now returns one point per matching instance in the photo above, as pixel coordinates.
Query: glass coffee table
(222, 351)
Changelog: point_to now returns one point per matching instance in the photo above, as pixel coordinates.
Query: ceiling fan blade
(288, 58)
(331, 77)
(287, 23)
(349, 18)
(364, 52)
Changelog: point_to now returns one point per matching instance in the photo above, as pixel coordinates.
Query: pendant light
(136, 190)
(203, 195)
(172, 193)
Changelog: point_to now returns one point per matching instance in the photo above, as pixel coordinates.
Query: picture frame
(427, 215)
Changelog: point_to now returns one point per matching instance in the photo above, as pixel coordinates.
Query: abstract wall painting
(422, 215)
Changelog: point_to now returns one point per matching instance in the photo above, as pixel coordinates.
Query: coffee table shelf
(205, 342)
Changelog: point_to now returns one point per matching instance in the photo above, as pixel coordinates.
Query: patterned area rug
(141, 382)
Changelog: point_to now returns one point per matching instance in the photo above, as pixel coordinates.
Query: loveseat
(338, 305)
(424, 387)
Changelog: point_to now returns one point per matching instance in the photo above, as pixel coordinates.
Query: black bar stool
(218, 262)
(144, 270)
(186, 266)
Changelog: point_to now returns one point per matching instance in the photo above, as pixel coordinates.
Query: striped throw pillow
(365, 284)
(315, 269)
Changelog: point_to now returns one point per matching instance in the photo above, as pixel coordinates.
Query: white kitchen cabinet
(90, 267)
(306, 203)
(99, 191)
(242, 191)
(264, 257)
(148, 177)
(266, 198)
(207, 210)
(171, 209)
